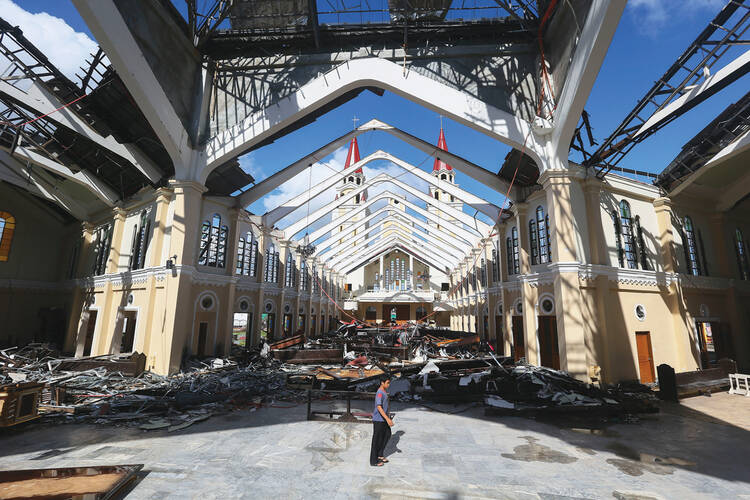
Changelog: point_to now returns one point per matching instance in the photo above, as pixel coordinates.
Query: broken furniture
(695, 383)
(343, 416)
(19, 402)
(736, 383)
(90, 483)
(131, 365)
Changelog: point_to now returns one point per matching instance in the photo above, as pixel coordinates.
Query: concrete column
(75, 336)
(564, 235)
(528, 293)
(597, 246)
(176, 326)
(725, 262)
(664, 216)
(148, 342)
(680, 328)
(118, 229)
(524, 257)
(598, 335)
(163, 199)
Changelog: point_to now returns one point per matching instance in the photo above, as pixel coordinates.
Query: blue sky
(651, 35)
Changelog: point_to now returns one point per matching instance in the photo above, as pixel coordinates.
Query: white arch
(371, 72)
(392, 242)
(446, 243)
(460, 232)
(273, 216)
(441, 206)
(348, 250)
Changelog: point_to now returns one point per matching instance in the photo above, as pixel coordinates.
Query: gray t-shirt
(381, 399)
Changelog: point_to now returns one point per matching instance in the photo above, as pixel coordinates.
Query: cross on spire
(355, 120)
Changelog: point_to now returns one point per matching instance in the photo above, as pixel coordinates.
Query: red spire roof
(441, 165)
(353, 155)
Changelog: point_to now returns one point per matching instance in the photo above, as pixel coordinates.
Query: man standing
(381, 423)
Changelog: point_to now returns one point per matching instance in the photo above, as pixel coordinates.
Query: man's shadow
(392, 446)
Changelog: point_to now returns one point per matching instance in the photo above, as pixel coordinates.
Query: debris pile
(148, 400)
(531, 389)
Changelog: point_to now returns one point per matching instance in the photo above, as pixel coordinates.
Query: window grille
(742, 259)
(628, 237)
(692, 259)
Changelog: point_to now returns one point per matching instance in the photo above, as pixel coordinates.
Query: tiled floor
(687, 451)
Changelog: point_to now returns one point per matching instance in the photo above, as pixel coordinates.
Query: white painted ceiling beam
(595, 38)
(369, 72)
(112, 33)
(39, 184)
(82, 177)
(348, 249)
(458, 231)
(475, 224)
(267, 185)
(736, 147)
(445, 242)
(42, 102)
(364, 255)
(694, 96)
(370, 258)
(273, 216)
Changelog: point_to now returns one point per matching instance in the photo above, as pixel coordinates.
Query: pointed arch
(7, 228)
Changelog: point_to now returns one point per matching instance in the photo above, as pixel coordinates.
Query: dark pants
(381, 433)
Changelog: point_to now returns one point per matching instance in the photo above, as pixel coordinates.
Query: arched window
(241, 253)
(483, 271)
(305, 276)
(351, 179)
(357, 197)
(315, 279)
(7, 228)
(247, 258)
(512, 251)
(359, 181)
(534, 242)
(495, 273)
(442, 177)
(289, 271)
(271, 273)
(742, 259)
(692, 258)
(101, 250)
(437, 195)
(542, 227)
(626, 226)
(141, 232)
(213, 243)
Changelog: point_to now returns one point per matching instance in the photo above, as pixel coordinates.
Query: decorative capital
(185, 185)
(663, 203)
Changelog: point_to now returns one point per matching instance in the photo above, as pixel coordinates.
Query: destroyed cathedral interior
(157, 272)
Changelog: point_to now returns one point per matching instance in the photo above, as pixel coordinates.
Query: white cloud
(651, 16)
(65, 48)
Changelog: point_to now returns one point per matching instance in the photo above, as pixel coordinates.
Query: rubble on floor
(451, 368)
(148, 400)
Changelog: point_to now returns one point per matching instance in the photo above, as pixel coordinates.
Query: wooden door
(90, 327)
(645, 357)
(202, 338)
(519, 348)
(499, 343)
(128, 332)
(550, 352)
